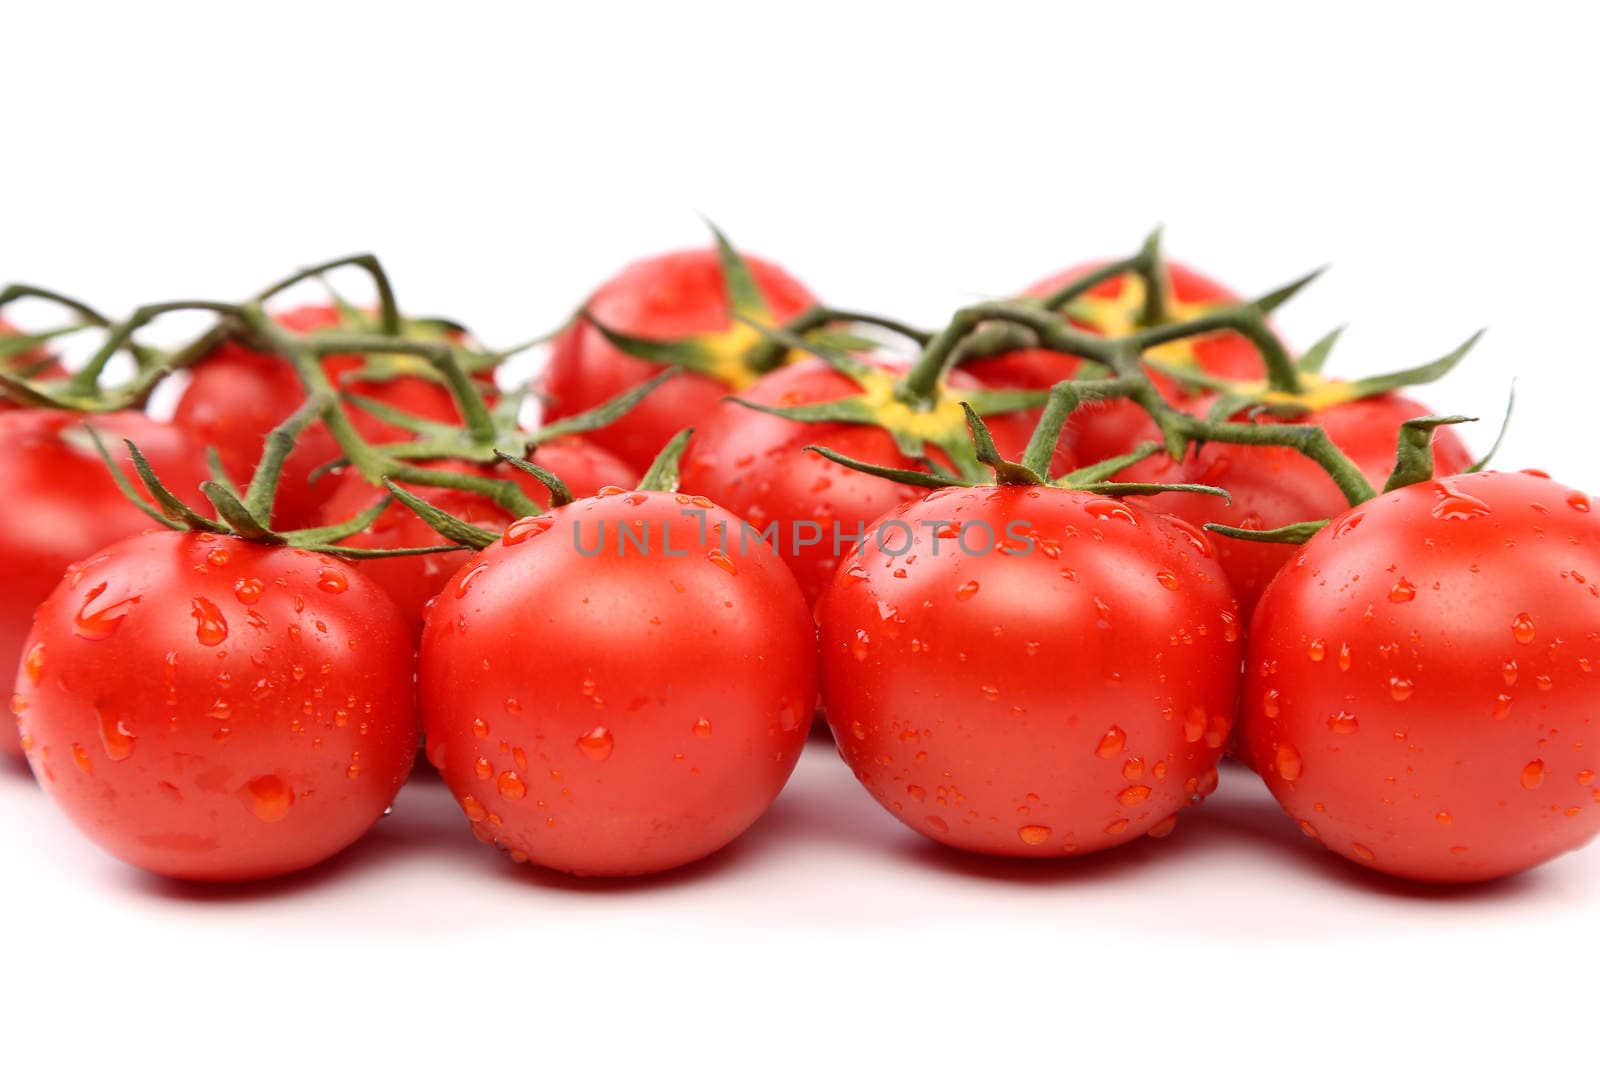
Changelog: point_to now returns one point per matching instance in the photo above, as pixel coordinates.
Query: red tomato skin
(1421, 694)
(210, 709)
(1272, 487)
(617, 715)
(68, 506)
(667, 297)
(1059, 702)
(755, 465)
(413, 581)
(237, 396)
(1112, 428)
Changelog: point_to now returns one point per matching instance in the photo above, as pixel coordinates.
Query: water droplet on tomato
(1522, 629)
(1317, 650)
(1034, 835)
(859, 647)
(1288, 762)
(1167, 579)
(938, 824)
(33, 663)
(80, 756)
(1403, 592)
(101, 623)
(1194, 724)
(115, 737)
(1363, 852)
(475, 810)
(480, 728)
(702, 727)
(1401, 688)
(1104, 510)
(268, 797)
(247, 590)
(1111, 743)
(1343, 722)
(469, 576)
(511, 786)
(1134, 795)
(483, 768)
(1163, 828)
(331, 581)
(968, 591)
(210, 628)
(1578, 502)
(1133, 769)
(1230, 627)
(1455, 505)
(527, 527)
(1533, 774)
(597, 744)
(1117, 826)
(1269, 703)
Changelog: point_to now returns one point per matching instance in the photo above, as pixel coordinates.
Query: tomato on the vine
(1112, 309)
(237, 396)
(1273, 486)
(612, 690)
(756, 465)
(1421, 686)
(412, 581)
(680, 296)
(1031, 671)
(67, 506)
(209, 708)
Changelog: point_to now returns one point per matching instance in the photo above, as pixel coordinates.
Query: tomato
(1421, 691)
(670, 297)
(619, 709)
(66, 506)
(1111, 428)
(211, 709)
(755, 464)
(412, 581)
(237, 396)
(1272, 487)
(1028, 671)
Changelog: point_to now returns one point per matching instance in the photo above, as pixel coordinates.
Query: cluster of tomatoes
(1041, 569)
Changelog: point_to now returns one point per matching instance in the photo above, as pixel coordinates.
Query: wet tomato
(1421, 688)
(66, 505)
(755, 464)
(610, 691)
(1272, 487)
(1024, 671)
(237, 396)
(666, 298)
(211, 709)
(412, 581)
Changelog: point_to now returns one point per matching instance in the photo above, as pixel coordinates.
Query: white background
(902, 157)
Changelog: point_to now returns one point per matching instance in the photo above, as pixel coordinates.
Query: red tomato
(755, 465)
(237, 396)
(211, 709)
(1421, 690)
(412, 581)
(1057, 677)
(625, 711)
(66, 505)
(1272, 487)
(1112, 428)
(665, 298)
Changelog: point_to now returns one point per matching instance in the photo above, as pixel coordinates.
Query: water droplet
(702, 728)
(1104, 510)
(1457, 506)
(1167, 579)
(1111, 743)
(968, 591)
(596, 744)
(1034, 835)
(1269, 703)
(1401, 688)
(1163, 828)
(526, 527)
(1117, 826)
(1578, 502)
(483, 768)
(859, 647)
(331, 581)
(916, 792)
(1133, 769)
(1317, 650)
(80, 756)
(480, 728)
(1366, 854)
(268, 797)
(1288, 762)
(210, 628)
(1230, 627)
(511, 787)
(475, 810)
(247, 590)
(1194, 724)
(938, 824)
(115, 737)
(33, 663)
(1533, 774)
(1442, 818)
(1134, 795)
(1522, 629)
(1403, 592)
(469, 576)
(1343, 722)
(1309, 830)
(723, 560)
(101, 623)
